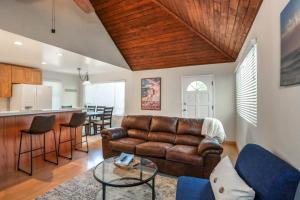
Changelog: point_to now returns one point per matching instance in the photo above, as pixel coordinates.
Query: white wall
(68, 82)
(278, 126)
(171, 91)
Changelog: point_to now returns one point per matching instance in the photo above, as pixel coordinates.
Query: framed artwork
(151, 93)
(290, 44)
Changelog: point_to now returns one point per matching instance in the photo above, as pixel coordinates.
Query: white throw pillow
(227, 184)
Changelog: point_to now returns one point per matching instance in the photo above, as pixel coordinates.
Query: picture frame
(290, 44)
(151, 93)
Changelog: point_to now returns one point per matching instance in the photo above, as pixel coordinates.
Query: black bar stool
(77, 120)
(40, 126)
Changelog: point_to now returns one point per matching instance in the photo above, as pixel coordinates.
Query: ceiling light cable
(53, 17)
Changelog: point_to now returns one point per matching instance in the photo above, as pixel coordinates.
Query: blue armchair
(269, 176)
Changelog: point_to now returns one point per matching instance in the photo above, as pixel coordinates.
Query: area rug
(85, 187)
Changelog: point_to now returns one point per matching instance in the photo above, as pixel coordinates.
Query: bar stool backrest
(42, 124)
(77, 119)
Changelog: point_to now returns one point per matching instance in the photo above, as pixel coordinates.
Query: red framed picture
(151, 93)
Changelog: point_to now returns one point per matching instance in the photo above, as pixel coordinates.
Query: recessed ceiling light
(18, 43)
(59, 54)
(44, 63)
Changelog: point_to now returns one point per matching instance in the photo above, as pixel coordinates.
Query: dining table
(91, 116)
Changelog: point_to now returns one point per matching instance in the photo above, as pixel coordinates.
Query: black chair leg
(44, 148)
(20, 148)
(56, 163)
(54, 137)
(59, 137)
(59, 143)
(86, 151)
(30, 174)
(87, 143)
(71, 143)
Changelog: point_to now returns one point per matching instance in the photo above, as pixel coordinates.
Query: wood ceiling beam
(232, 59)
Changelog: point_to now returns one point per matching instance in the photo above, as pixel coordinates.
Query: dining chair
(91, 108)
(105, 121)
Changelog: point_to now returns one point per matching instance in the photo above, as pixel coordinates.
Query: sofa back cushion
(189, 126)
(136, 122)
(163, 124)
(138, 134)
(269, 176)
(189, 132)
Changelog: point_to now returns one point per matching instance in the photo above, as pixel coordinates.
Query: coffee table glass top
(109, 174)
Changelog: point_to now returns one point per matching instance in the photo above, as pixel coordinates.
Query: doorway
(198, 96)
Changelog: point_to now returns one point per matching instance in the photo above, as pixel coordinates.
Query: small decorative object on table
(126, 161)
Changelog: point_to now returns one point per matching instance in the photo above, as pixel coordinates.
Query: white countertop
(36, 112)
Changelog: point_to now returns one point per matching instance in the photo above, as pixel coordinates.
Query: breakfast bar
(12, 122)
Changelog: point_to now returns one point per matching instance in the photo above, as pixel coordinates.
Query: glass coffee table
(108, 174)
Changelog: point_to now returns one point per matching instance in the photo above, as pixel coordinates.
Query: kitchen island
(12, 122)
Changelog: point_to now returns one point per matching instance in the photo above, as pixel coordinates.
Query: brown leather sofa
(174, 144)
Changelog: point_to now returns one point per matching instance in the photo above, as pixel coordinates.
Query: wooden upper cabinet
(26, 75)
(5, 80)
(37, 77)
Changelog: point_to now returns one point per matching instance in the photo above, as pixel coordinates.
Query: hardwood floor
(18, 186)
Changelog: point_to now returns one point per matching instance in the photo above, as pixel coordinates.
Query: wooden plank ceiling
(153, 34)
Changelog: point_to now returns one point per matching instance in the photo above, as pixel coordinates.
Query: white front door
(198, 96)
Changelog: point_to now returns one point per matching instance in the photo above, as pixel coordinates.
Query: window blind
(246, 87)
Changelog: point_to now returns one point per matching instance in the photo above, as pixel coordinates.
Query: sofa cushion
(184, 154)
(189, 126)
(135, 133)
(163, 124)
(155, 149)
(137, 122)
(269, 176)
(190, 188)
(188, 140)
(125, 144)
(162, 137)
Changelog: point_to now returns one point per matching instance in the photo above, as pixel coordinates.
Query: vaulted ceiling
(153, 34)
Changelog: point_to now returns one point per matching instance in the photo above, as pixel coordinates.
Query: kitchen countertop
(36, 112)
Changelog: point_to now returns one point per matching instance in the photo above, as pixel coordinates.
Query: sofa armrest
(113, 133)
(209, 146)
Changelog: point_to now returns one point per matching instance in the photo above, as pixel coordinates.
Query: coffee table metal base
(102, 194)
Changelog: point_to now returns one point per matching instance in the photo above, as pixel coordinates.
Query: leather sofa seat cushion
(163, 124)
(154, 149)
(136, 122)
(189, 126)
(140, 134)
(161, 137)
(127, 145)
(188, 140)
(184, 154)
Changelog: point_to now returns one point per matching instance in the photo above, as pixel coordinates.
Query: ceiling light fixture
(84, 78)
(59, 54)
(18, 43)
(44, 63)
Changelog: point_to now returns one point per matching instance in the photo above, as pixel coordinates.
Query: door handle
(184, 110)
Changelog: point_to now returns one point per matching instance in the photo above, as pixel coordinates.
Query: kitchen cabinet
(24, 75)
(5, 80)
